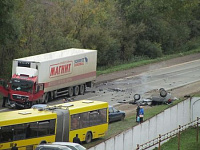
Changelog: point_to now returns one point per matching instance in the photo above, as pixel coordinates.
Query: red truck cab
(21, 91)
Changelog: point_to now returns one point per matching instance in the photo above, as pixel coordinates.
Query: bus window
(31, 130)
(19, 132)
(84, 120)
(6, 134)
(94, 118)
(103, 115)
(46, 127)
(75, 121)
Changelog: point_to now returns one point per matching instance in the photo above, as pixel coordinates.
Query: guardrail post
(197, 139)
(179, 134)
(159, 142)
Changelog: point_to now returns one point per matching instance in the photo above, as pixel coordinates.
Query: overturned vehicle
(157, 98)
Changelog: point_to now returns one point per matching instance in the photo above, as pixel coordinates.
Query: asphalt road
(157, 76)
(123, 90)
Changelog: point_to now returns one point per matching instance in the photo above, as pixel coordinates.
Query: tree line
(119, 29)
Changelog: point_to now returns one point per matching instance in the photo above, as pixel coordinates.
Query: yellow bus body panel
(84, 106)
(34, 115)
(25, 116)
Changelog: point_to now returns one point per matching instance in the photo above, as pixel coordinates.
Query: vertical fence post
(159, 142)
(197, 139)
(179, 134)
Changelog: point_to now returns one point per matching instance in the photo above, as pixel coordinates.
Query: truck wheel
(70, 91)
(82, 89)
(45, 98)
(76, 90)
(88, 137)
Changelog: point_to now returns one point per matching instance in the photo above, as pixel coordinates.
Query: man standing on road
(76, 139)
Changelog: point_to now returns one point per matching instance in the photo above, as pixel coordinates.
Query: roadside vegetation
(187, 141)
(122, 31)
(141, 61)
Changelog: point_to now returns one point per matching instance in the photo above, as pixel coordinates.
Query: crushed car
(160, 97)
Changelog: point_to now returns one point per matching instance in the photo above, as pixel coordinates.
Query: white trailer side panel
(63, 68)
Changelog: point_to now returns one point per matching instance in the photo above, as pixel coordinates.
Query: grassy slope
(141, 62)
(188, 141)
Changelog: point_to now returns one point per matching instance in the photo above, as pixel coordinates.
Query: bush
(147, 48)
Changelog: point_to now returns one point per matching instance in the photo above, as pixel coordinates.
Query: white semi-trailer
(40, 78)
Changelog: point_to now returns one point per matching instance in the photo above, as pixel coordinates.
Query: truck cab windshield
(21, 85)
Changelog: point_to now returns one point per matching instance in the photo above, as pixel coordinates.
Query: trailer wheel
(70, 91)
(76, 90)
(82, 89)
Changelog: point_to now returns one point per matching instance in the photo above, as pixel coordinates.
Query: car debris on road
(160, 97)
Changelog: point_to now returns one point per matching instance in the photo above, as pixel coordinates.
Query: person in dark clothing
(137, 113)
(14, 147)
(76, 139)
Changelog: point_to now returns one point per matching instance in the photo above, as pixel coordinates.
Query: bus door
(62, 131)
(3, 88)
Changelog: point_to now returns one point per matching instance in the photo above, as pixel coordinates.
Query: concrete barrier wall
(162, 123)
(195, 105)
(128, 139)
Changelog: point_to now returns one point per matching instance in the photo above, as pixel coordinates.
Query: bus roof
(83, 105)
(23, 116)
(30, 115)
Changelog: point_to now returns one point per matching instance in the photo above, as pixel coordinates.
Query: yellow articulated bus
(60, 123)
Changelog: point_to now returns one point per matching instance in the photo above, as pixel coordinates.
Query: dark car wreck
(158, 97)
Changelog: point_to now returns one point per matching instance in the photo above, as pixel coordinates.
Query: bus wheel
(88, 137)
(70, 91)
(82, 89)
(76, 90)
(43, 142)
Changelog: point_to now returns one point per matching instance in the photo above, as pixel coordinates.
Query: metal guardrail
(173, 133)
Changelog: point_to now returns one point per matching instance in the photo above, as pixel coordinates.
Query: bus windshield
(21, 85)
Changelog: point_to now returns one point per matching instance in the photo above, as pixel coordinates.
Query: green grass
(141, 62)
(187, 141)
